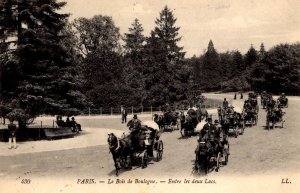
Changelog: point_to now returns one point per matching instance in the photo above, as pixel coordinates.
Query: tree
(39, 76)
(251, 56)
(133, 65)
(134, 40)
(238, 61)
(211, 69)
(284, 69)
(165, 76)
(97, 33)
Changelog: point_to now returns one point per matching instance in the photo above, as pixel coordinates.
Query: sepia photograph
(149, 96)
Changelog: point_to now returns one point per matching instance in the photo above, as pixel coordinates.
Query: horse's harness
(115, 147)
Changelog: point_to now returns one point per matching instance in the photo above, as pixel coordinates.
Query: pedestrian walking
(124, 115)
(12, 142)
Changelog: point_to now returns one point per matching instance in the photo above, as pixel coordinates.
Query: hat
(216, 121)
(135, 116)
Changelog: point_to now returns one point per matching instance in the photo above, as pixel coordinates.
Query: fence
(141, 109)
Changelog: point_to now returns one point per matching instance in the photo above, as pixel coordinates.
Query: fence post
(151, 110)
(132, 110)
(142, 109)
(40, 129)
(89, 111)
(111, 112)
(159, 108)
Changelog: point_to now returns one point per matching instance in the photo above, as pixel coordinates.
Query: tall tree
(133, 64)
(262, 52)
(134, 40)
(251, 56)
(211, 69)
(165, 77)
(42, 68)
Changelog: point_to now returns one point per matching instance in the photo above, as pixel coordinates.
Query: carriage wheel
(243, 129)
(128, 163)
(160, 150)
(236, 131)
(182, 132)
(145, 160)
(226, 151)
(218, 162)
(178, 125)
(256, 118)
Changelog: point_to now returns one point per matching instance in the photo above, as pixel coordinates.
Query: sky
(230, 24)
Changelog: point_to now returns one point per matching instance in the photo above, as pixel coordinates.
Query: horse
(274, 116)
(201, 114)
(204, 152)
(120, 150)
(159, 119)
(188, 126)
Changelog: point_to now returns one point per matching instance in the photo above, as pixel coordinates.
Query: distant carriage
(232, 120)
(274, 117)
(168, 121)
(192, 118)
(140, 143)
(250, 117)
(283, 102)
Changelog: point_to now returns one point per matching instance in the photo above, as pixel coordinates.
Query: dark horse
(204, 152)
(120, 150)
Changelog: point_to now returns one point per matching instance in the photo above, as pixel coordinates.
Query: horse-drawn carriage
(232, 120)
(250, 117)
(250, 112)
(233, 124)
(191, 120)
(168, 121)
(283, 102)
(265, 99)
(140, 143)
(274, 116)
(211, 157)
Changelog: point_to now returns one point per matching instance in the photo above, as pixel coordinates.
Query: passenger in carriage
(271, 103)
(230, 109)
(225, 104)
(277, 109)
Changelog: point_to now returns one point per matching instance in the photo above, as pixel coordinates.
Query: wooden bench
(58, 132)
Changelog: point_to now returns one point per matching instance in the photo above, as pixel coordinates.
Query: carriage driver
(134, 123)
(211, 133)
(225, 103)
